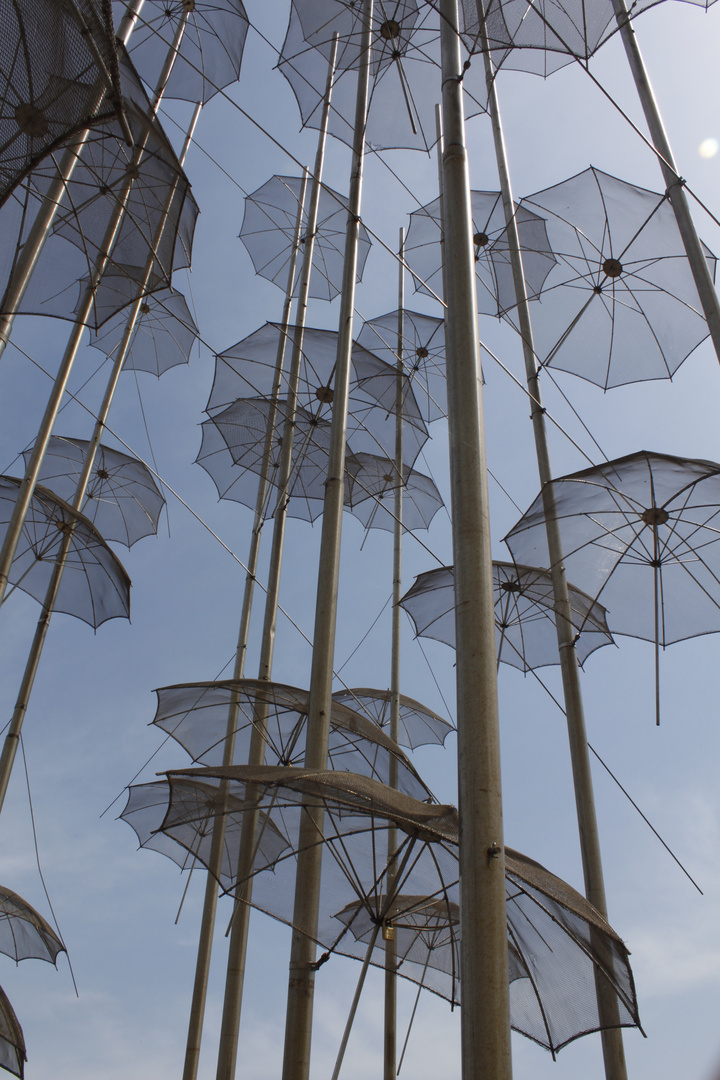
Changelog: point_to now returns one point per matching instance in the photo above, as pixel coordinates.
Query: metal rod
(613, 1052)
(355, 1002)
(673, 181)
(301, 983)
(485, 1015)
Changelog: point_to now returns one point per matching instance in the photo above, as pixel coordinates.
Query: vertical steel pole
(613, 1051)
(301, 983)
(485, 1014)
(237, 949)
(674, 183)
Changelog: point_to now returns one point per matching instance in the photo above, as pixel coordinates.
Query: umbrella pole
(613, 1051)
(301, 983)
(390, 1040)
(27, 486)
(674, 182)
(485, 1033)
(355, 1002)
(23, 270)
(237, 949)
(12, 738)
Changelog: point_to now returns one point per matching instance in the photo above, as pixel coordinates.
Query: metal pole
(27, 487)
(390, 1040)
(485, 1014)
(237, 949)
(40, 230)
(613, 1051)
(355, 1002)
(301, 983)
(673, 181)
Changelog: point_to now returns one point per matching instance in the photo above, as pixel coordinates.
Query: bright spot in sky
(708, 148)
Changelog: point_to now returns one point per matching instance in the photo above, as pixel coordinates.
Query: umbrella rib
(535, 987)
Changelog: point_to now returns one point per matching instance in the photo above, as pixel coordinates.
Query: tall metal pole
(237, 949)
(12, 738)
(27, 486)
(613, 1051)
(485, 1014)
(673, 181)
(40, 230)
(301, 982)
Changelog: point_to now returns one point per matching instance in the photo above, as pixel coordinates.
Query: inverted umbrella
(621, 304)
(268, 233)
(495, 287)
(419, 726)
(210, 50)
(404, 70)
(556, 939)
(122, 500)
(24, 933)
(163, 335)
(423, 355)
(641, 533)
(94, 587)
(249, 366)
(524, 614)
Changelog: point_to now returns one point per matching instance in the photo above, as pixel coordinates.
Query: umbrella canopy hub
(324, 394)
(390, 29)
(511, 586)
(612, 267)
(188, 5)
(655, 515)
(31, 120)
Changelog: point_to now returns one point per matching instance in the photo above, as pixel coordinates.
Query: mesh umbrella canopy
(495, 288)
(122, 500)
(524, 614)
(51, 84)
(268, 233)
(12, 1042)
(621, 304)
(418, 725)
(371, 482)
(404, 70)
(163, 335)
(211, 48)
(94, 585)
(423, 355)
(24, 933)
(156, 227)
(250, 365)
(642, 533)
(197, 716)
(557, 941)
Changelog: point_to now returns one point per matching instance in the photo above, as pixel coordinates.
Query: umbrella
(210, 51)
(495, 288)
(423, 355)
(641, 533)
(404, 70)
(268, 233)
(162, 338)
(12, 1042)
(524, 614)
(48, 93)
(94, 585)
(24, 934)
(558, 943)
(370, 485)
(196, 715)
(250, 365)
(419, 726)
(122, 500)
(621, 304)
(157, 223)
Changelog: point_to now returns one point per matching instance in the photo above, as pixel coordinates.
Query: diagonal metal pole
(237, 949)
(301, 982)
(12, 738)
(673, 181)
(40, 230)
(613, 1050)
(103, 260)
(485, 1015)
